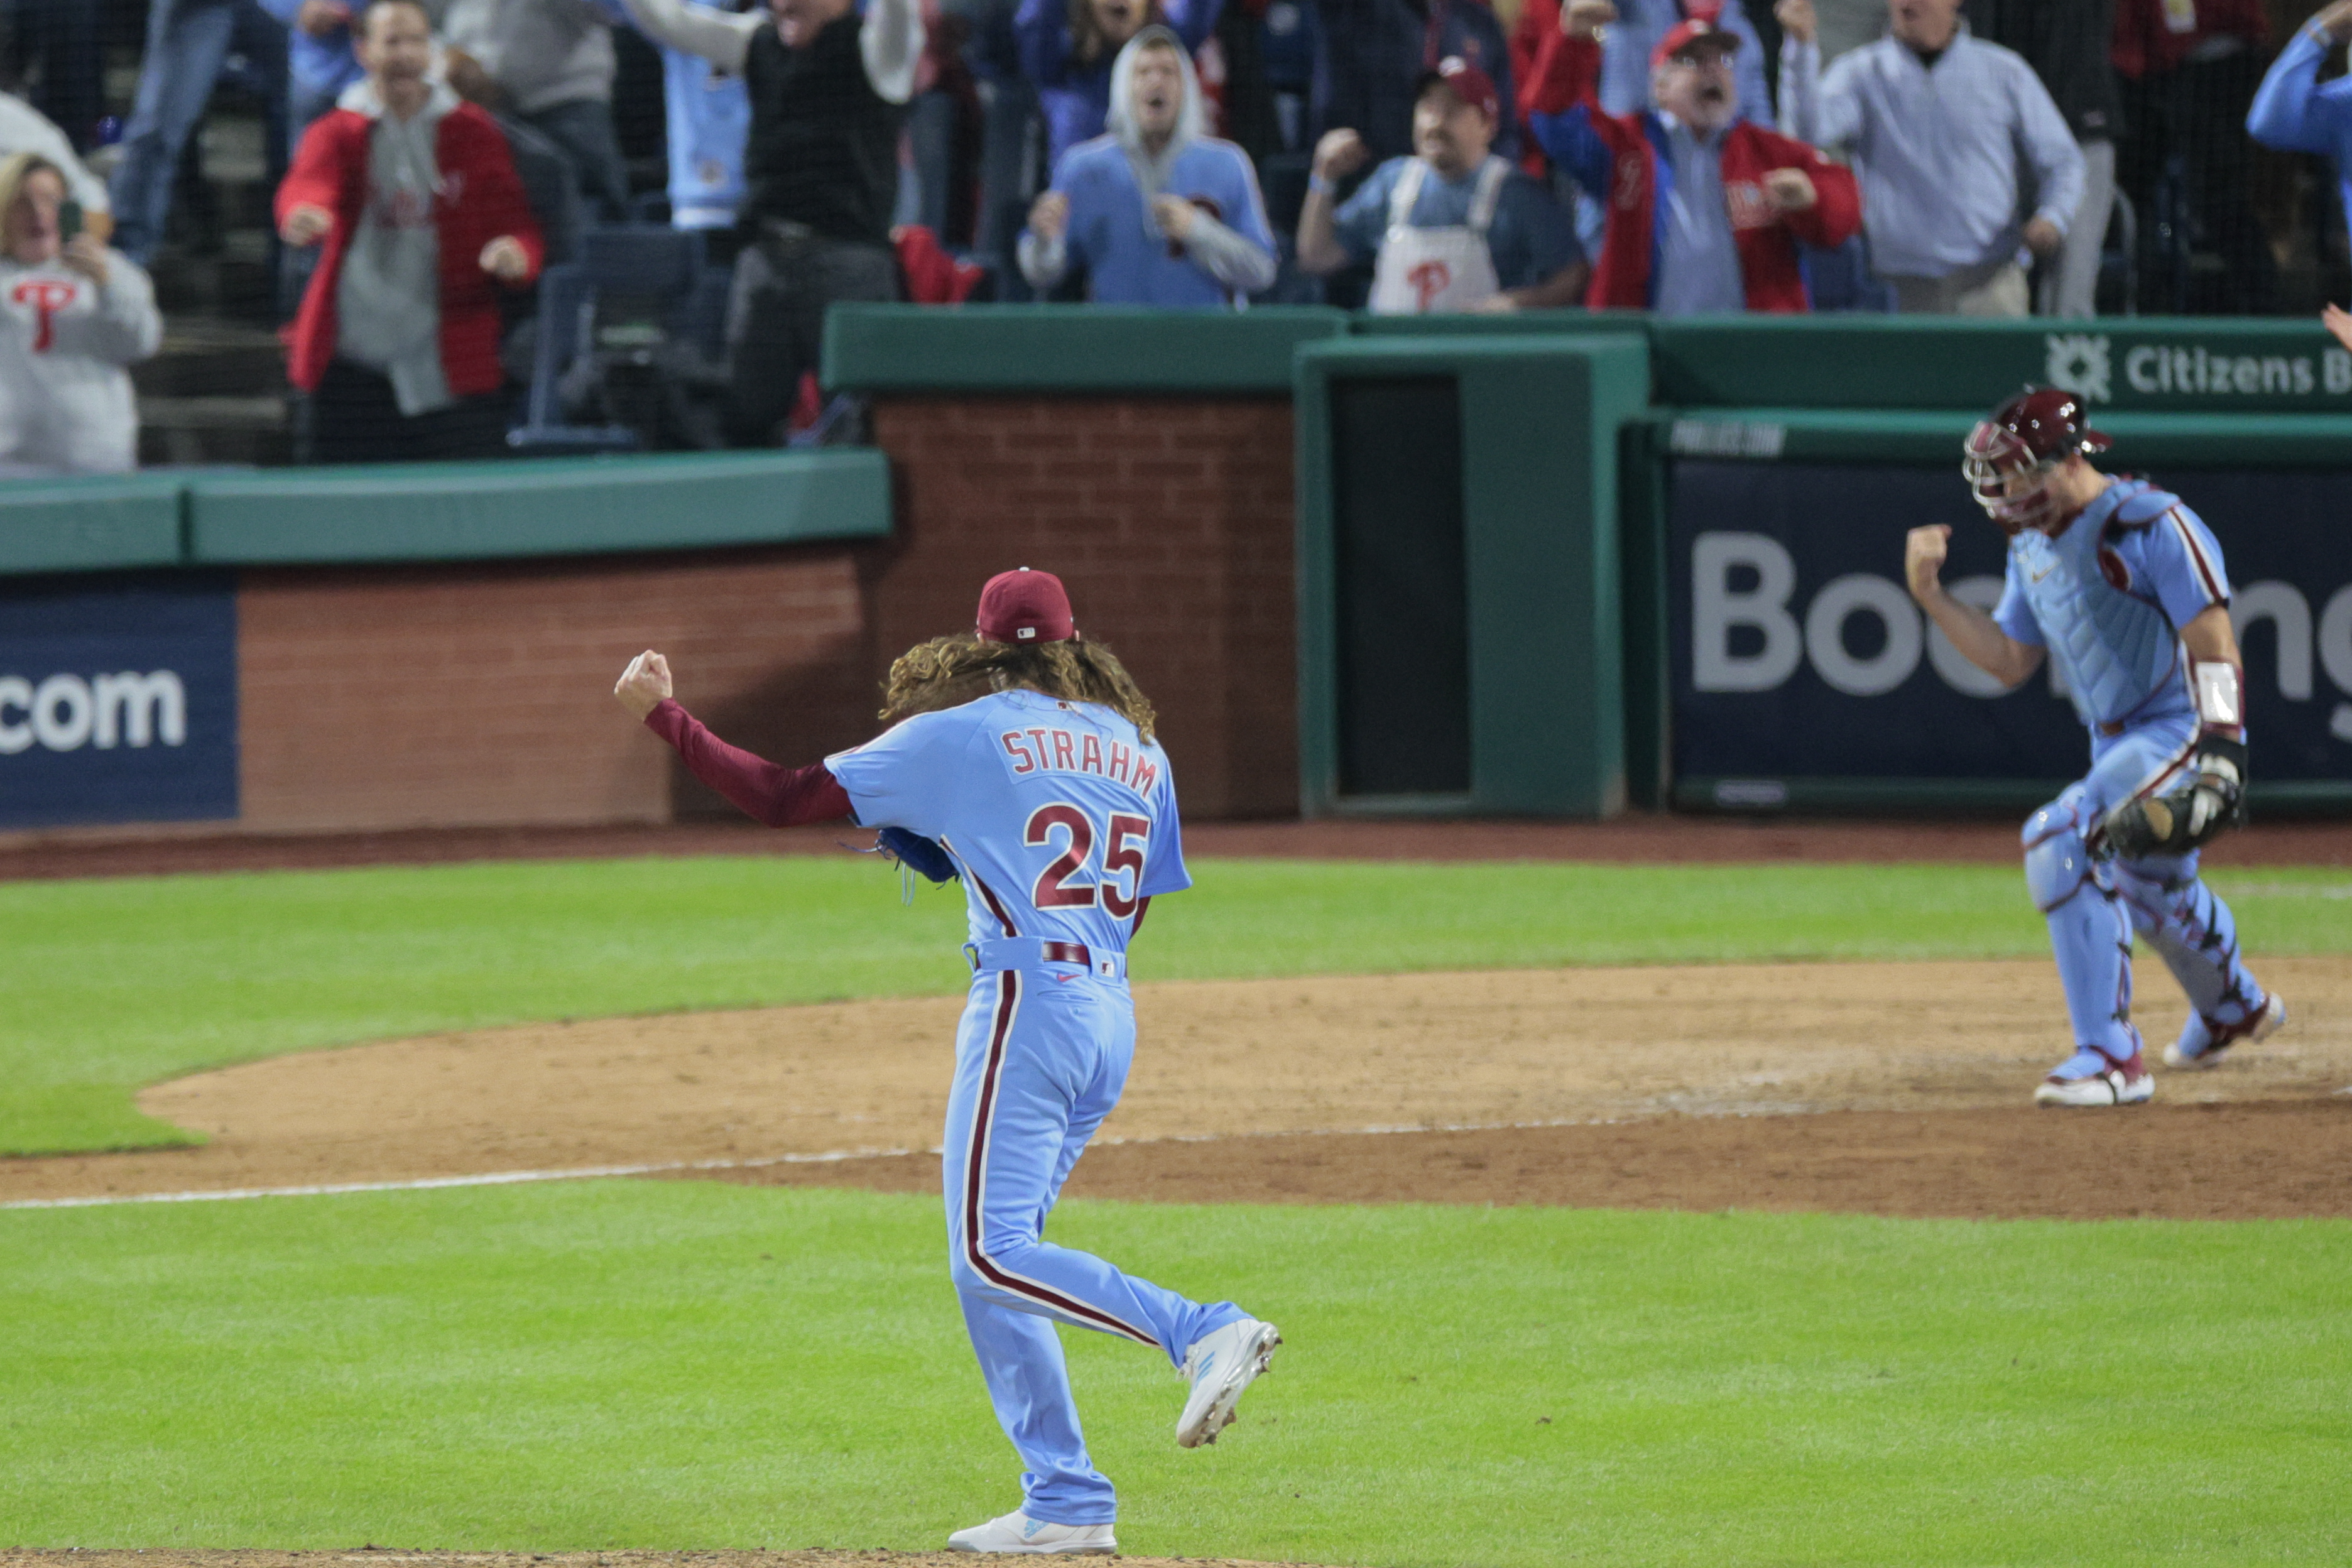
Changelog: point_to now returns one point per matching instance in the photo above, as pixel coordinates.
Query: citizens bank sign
(2096, 368)
(118, 701)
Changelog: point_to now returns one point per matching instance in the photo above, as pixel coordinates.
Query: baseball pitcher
(1022, 761)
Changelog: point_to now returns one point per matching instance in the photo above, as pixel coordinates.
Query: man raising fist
(1705, 210)
(399, 354)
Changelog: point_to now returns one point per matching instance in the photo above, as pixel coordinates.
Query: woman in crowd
(75, 313)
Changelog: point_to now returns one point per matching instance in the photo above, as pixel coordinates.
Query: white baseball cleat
(1220, 1364)
(1018, 1535)
(2201, 1045)
(2115, 1083)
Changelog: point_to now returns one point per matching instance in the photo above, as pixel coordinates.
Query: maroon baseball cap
(1689, 37)
(1026, 606)
(1471, 85)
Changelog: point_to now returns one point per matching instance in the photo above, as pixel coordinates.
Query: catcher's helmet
(2031, 434)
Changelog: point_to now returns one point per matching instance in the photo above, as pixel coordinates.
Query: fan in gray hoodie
(1157, 212)
(72, 314)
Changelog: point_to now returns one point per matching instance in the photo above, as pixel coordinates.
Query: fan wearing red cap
(1454, 227)
(1020, 760)
(2121, 587)
(1705, 210)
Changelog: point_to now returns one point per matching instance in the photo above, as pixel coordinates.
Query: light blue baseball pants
(1040, 1061)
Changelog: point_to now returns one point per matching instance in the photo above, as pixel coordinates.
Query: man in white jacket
(72, 314)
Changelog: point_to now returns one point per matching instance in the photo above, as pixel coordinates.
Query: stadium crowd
(441, 158)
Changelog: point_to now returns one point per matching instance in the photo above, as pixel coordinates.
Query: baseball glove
(2209, 798)
(916, 853)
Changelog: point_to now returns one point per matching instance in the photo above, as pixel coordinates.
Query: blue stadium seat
(640, 262)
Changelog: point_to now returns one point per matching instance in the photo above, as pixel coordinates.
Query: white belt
(1037, 952)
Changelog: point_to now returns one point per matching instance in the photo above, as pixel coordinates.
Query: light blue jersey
(709, 115)
(1112, 232)
(2108, 597)
(1060, 817)
(1061, 820)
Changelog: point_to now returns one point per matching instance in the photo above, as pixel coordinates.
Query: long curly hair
(948, 671)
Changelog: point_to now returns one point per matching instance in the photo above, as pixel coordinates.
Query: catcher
(2122, 584)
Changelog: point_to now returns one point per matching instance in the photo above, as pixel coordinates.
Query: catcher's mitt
(2209, 797)
(917, 853)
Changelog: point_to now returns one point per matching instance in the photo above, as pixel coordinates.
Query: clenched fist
(644, 685)
(1923, 550)
(505, 260)
(1789, 190)
(1049, 215)
(1585, 18)
(1796, 19)
(306, 225)
(1175, 214)
(1340, 153)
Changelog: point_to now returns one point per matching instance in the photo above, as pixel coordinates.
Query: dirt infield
(1891, 1088)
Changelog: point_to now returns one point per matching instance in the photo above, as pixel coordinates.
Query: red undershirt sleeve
(781, 797)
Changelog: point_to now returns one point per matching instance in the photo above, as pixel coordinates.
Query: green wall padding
(92, 524)
(454, 511)
(1065, 348)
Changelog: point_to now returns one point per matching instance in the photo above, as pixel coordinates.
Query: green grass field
(691, 1364)
(114, 984)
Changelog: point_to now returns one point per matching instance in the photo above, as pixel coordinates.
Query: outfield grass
(112, 985)
(674, 1364)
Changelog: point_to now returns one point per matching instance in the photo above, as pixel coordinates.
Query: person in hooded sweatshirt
(1153, 212)
(1067, 49)
(72, 314)
(424, 220)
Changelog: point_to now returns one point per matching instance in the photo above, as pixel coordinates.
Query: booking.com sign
(1796, 651)
(118, 702)
(65, 712)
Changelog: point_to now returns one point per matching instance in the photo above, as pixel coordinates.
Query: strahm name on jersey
(1061, 751)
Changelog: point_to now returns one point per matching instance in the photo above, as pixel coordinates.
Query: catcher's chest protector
(2114, 647)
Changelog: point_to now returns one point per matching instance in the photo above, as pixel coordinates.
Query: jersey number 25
(1123, 849)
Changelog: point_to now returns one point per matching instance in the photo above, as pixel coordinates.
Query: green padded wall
(92, 524)
(1911, 436)
(2155, 364)
(1540, 417)
(455, 512)
(1058, 348)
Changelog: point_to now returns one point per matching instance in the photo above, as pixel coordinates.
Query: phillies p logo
(46, 297)
(1429, 280)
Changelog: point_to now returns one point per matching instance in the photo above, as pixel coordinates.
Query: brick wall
(394, 697)
(468, 695)
(1171, 520)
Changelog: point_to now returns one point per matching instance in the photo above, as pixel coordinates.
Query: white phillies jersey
(1061, 817)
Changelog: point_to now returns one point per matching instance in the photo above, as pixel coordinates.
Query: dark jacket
(2066, 43)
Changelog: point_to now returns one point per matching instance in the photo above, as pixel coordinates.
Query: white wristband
(2220, 698)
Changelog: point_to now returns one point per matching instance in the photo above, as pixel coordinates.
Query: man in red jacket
(415, 195)
(1705, 210)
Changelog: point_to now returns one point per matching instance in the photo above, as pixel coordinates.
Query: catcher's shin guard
(2089, 935)
(2194, 932)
